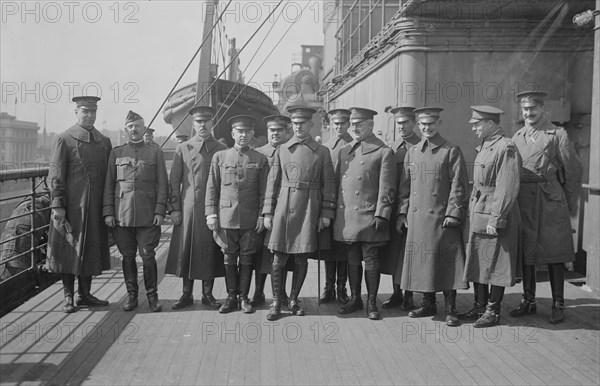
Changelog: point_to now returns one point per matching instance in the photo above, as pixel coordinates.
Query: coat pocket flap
(225, 203)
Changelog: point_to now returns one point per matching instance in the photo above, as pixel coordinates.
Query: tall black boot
(528, 303)
(277, 276)
(284, 299)
(395, 300)
(329, 290)
(259, 289)
(131, 284)
(151, 284)
(450, 303)
(297, 282)
(428, 307)
(408, 303)
(372, 281)
(186, 299)
(355, 278)
(480, 295)
(245, 279)
(207, 296)
(342, 278)
(68, 281)
(557, 284)
(491, 316)
(85, 297)
(231, 282)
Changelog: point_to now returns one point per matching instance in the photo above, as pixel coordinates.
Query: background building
(18, 141)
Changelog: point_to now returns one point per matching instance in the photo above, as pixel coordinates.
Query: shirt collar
(309, 141)
(81, 134)
(432, 143)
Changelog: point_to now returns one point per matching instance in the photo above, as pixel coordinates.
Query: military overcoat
(494, 260)
(77, 173)
(301, 189)
(434, 186)
(550, 185)
(193, 253)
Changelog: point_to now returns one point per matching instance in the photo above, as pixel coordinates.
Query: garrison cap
(205, 112)
(132, 116)
(88, 102)
(428, 114)
(242, 122)
(149, 130)
(359, 114)
(277, 121)
(531, 98)
(485, 112)
(301, 114)
(339, 115)
(403, 114)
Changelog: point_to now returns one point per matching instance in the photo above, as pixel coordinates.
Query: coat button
(482, 166)
(414, 209)
(430, 210)
(434, 194)
(345, 176)
(356, 192)
(356, 208)
(359, 178)
(341, 206)
(291, 210)
(362, 162)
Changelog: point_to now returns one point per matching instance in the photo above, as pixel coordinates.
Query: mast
(204, 73)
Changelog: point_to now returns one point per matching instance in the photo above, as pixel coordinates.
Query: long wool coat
(392, 255)
(494, 259)
(193, 253)
(550, 184)
(433, 187)
(301, 188)
(78, 167)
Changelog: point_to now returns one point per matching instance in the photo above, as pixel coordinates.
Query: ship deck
(39, 344)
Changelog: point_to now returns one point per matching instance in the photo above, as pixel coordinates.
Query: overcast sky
(131, 52)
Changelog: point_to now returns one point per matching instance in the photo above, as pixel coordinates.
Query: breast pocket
(252, 171)
(147, 170)
(229, 174)
(124, 170)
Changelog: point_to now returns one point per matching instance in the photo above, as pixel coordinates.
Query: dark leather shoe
(372, 311)
(154, 305)
(558, 313)
(245, 306)
(209, 300)
(355, 304)
(328, 295)
(132, 303)
(91, 301)
(394, 301)
(474, 313)
(295, 309)
(408, 302)
(423, 311)
(68, 307)
(488, 319)
(184, 301)
(342, 294)
(229, 305)
(258, 299)
(452, 320)
(526, 307)
(274, 311)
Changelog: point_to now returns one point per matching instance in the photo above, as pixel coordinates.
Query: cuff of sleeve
(211, 216)
(328, 213)
(108, 211)
(498, 223)
(160, 209)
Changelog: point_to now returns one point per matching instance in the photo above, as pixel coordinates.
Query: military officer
(235, 196)
(299, 203)
(336, 259)
(432, 207)
(366, 188)
(392, 255)
(78, 237)
(193, 253)
(135, 204)
(277, 129)
(550, 183)
(149, 137)
(493, 248)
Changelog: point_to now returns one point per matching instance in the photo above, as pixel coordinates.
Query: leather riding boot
(151, 284)
(284, 299)
(245, 279)
(259, 289)
(85, 298)
(490, 317)
(528, 303)
(342, 277)
(186, 299)
(450, 303)
(297, 282)
(68, 281)
(355, 278)
(276, 282)
(131, 284)
(395, 300)
(329, 290)
(479, 303)
(428, 307)
(207, 296)
(557, 284)
(372, 281)
(408, 303)
(231, 282)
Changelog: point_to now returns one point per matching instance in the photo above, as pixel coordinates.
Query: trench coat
(367, 187)
(434, 186)
(494, 260)
(550, 185)
(193, 253)
(301, 189)
(77, 173)
(392, 255)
